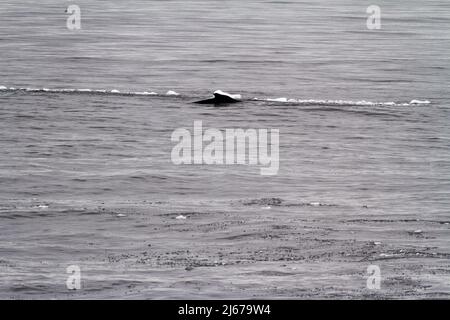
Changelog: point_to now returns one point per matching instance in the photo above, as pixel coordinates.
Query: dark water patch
(444, 222)
(85, 212)
(271, 273)
(148, 177)
(29, 214)
(251, 235)
(263, 202)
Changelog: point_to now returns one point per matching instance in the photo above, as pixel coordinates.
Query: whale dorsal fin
(221, 97)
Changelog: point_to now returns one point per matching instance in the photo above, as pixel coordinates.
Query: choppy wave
(171, 93)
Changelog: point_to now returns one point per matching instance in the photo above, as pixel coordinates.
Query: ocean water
(86, 176)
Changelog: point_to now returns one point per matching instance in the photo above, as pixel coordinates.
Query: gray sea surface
(86, 176)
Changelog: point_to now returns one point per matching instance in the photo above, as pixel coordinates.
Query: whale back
(220, 98)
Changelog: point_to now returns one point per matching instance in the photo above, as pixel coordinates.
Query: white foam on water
(315, 204)
(3, 88)
(420, 102)
(278, 100)
(172, 93)
(342, 102)
(115, 91)
(145, 93)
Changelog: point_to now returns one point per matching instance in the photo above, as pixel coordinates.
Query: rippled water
(86, 176)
